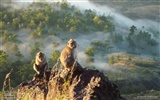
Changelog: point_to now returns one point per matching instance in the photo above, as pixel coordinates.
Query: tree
(5, 17)
(54, 56)
(132, 29)
(37, 33)
(5, 36)
(50, 31)
(78, 13)
(14, 38)
(111, 60)
(100, 46)
(16, 51)
(2, 25)
(15, 23)
(64, 5)
(55, 44)
(35, 48)
(96, 19)
(116, 38)
(73, 29)
(89, 59)
(9, 37)
(32, 24)
(89, 14)
(3, 58)
(25, 72)
(132, 37)
(90, 51)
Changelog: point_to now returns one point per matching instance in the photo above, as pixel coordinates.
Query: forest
(23, 32)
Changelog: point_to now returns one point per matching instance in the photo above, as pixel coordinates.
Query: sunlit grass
(130, 60)
(133, 74)
(6, 95)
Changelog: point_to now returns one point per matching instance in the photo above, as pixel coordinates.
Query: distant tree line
(41, 19)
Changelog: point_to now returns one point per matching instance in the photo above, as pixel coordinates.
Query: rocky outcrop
(78, 84)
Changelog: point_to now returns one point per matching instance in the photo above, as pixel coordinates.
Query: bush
(90, 51)
(89, 59)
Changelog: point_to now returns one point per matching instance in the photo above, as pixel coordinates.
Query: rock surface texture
(77, 84)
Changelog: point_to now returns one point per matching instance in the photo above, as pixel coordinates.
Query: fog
(46, 47)
(121, 22)
(122, 26)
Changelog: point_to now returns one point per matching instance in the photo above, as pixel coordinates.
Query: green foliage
(116, 38)
(2, 25)
(132, 29)
(55, 44)
(89, 59)
(3, 58)
(131, 61)
(145, 71)
(101, 46)
(25, 72)
(138, 41)
(100, 22)
(73, 29)
(97, 43)
(64, 5)
(9, 37)
(68, 18)
(37, 33)
(145, 36)
(111, 60)
(17, 52)
(35, 48)
(15, 23)
(54, 57)
(90, 51)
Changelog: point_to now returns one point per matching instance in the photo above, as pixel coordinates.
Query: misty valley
(126, 51)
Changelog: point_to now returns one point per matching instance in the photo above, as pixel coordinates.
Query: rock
(78, 84)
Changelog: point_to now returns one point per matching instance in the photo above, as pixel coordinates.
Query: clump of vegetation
(54, 57)
(130, 60)
(55, 44)
(8, 95)
(90, 52)
(101, 45)
(138, 41)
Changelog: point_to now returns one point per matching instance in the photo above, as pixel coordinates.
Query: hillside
(133, 69)
(139, 9)
(126, 51)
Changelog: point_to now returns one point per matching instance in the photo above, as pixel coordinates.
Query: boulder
(77, 84)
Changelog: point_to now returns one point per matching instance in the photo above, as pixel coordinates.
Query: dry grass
(136, 10)
(8, 95)
(129, 60)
